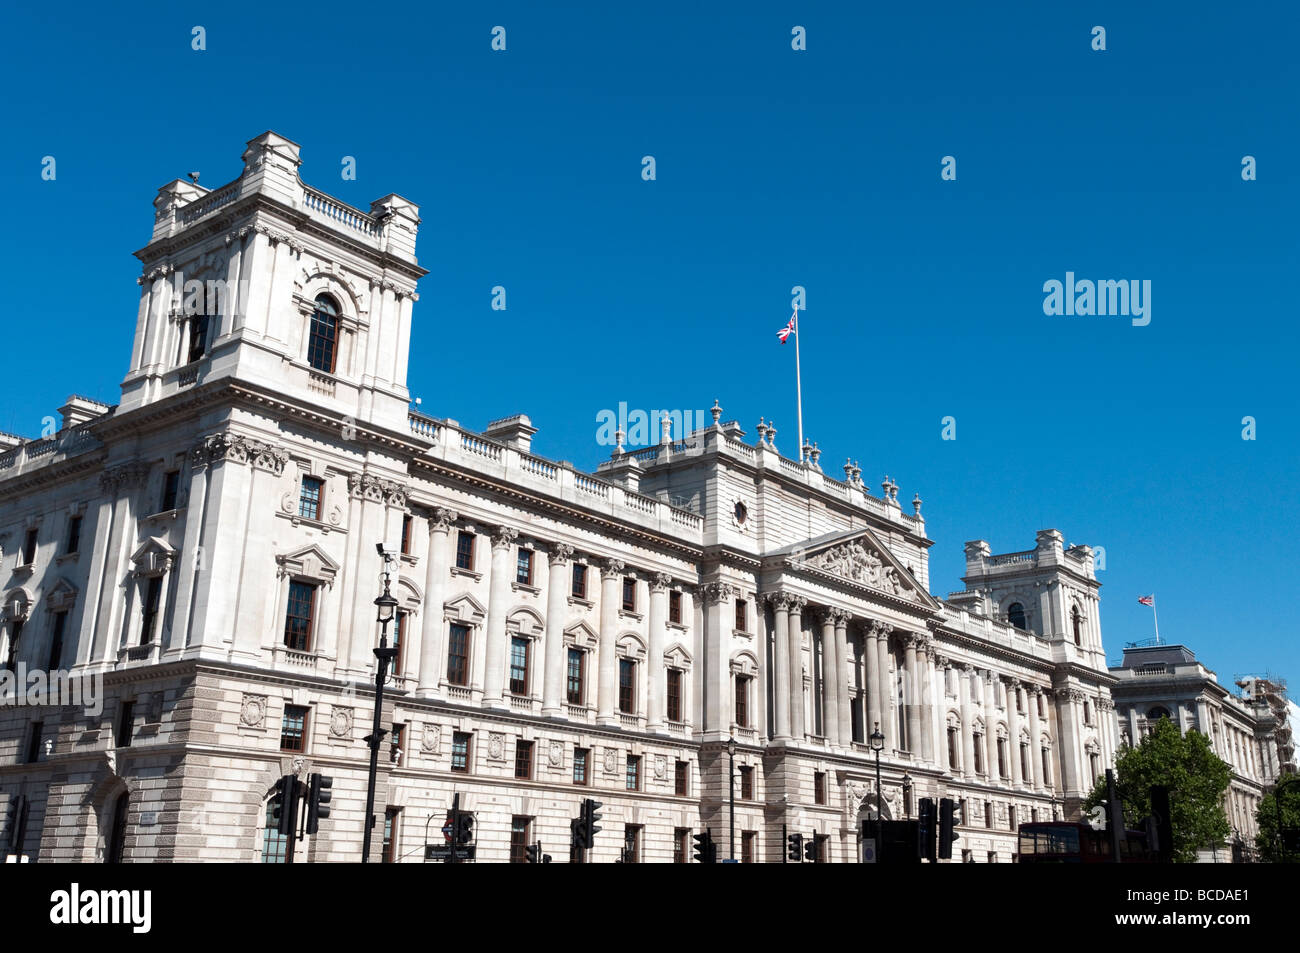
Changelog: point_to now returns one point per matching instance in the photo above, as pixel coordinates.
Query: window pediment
(581, 636)
(630, 646)
(465, 609)
(17, 605)
(62, 597)
(153, 557)
(744, 662)
(525, 621)
(311, 563)
(676, 656)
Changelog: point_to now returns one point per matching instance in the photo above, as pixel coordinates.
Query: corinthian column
(1013, 729)
(871, 652)
(886, 690)
(498, 600)
(781, 654)
(1035, 756)
(990, 725)
(556, 601)
(831, 681)
(611, 574)
(966, 675)
(654, 676)
(845, 737)
(911, 700)
(431, 624)
(797, 604)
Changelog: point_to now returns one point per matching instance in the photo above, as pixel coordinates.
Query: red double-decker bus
(1058, 842)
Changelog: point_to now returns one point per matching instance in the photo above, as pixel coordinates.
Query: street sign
(448, 829)
(868, 850)
(730, 860)
(442, 852)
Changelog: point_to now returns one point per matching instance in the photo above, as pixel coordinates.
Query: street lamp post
(907, 795)
(731, 754)
(386, 606)
(877, 745)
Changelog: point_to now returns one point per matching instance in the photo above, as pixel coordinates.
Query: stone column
(990, 725)
(611, 575)
(871, 653)
(781, 657)
(965, 676)
(654, 676)
(845, 739)
(494, 666)
(926, 660)
(1013, 730)
(556, 611)
(886, 691)
(431, 624)
(797, 604)
(911, 692)
(831, 681)
(1032, 693)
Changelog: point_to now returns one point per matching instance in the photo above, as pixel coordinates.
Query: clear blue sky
(774, 168)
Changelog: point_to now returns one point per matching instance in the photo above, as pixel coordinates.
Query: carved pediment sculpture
(861, 564)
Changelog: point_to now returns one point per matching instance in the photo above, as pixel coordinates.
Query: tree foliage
(1197, 779)
(1270, 851)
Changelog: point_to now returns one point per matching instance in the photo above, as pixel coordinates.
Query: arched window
(1016, 615)
(1076, 620)
(323, 342)
(1155, 714)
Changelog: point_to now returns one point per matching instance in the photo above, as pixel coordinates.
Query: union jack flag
(1147, 600)
(790, 328)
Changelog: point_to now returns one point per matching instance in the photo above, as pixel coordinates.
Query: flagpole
(1156, 616)
(798, 382)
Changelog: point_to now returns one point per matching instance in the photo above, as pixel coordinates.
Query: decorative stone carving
(496, 746)
(612, 567)
(504, 536)
(716, 592)
(252, 712)
(430, 740)
(611, 760)
(556, 754)
(660, 581)
(661, 766)
(442, 519)
(779, 600)
(559, 554)
(341, 723)
(367, 486)
(122, 477)
(860, 564)
(287, 502)
(237, 448)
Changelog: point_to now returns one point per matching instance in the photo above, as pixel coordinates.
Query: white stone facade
(729, 592)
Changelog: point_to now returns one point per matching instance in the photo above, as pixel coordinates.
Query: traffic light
(794, 847)
(319, 796)
(17, 822)
(533, 854)
(946, 833)
(588, 829)
(285, 814)
(464, 831)
(810, 849)
(705, 852)
(575, 834)
(929, 839)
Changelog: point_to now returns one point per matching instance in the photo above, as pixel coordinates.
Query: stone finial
(848, 470)
(815, 454)
(762, 431)
(884, 487)
(618, 443)
(916, 503)
(771, 435)
(666, 429)
(716, 411)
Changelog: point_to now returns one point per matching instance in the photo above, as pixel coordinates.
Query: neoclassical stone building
(208, 547)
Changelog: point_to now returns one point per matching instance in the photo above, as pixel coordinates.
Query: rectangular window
(458, 655)
(579, 581)
(1024, 761)
(627, 686)
(390, 835)
(465, 550)
(580, 765)
(125, 724)
(682, 845)
(748, 840)
(1093, 762)
(634, 772)
(1047, 767)
(979, 754)
(681, 776)
(855, 720)
(523, 760)
(309, 495)
(397, 742)
(399, 640)
(406, 534)
(198, 335)
(74, 535)
(574, 677)
(675, 607)
(56, 641)
(993, 857)
(518, 666)
(274, 844)
(1002, 757)
(323, 336)
(674, 694)
(629, 594)
(1042, 712)
(988, 814)
(819, 787)
(298, 616)
(963, 819)
(1011, 818)
(293, 728)
(741, 621)
(1020, 702)
(460, 752)
(632, 844)
(524, 567)
(152, 596)
(747, 782)
(171, 483)
(742, 701)
(953, 760)
(519, 830)
(34, 742)
(15, 637)
(29, 548)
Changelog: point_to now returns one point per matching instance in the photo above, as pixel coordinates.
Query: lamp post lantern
(877, 745)
(731, 755)
(386, 606)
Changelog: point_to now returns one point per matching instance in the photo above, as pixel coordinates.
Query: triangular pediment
(311, 562)
(857, 557)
